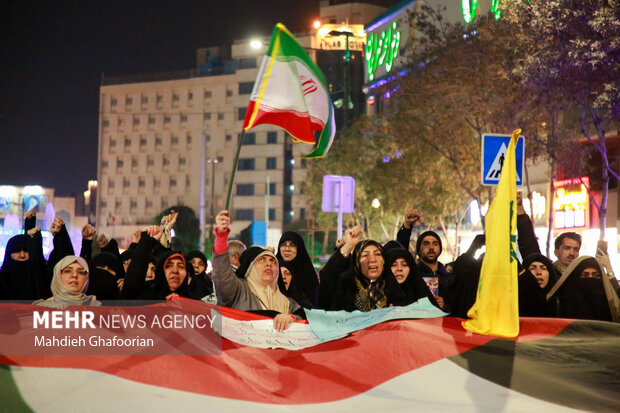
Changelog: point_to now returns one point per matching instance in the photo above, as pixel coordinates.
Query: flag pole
(234, 170)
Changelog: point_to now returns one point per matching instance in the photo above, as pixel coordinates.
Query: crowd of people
(360, 275)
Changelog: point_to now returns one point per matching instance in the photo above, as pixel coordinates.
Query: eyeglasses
(81, 272)
(288, 244)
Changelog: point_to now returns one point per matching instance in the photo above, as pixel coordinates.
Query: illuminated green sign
(382, 50)
(469, 9)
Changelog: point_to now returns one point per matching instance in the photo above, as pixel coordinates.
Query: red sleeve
(220, 245)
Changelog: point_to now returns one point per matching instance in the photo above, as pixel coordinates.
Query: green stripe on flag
(11, 398)
(289, 47)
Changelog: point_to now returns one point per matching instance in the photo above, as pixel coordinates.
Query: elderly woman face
(74, 277)
(267, 268)
(541, 272)
(371, 262)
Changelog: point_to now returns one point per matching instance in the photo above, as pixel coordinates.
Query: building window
(245, 189)
(113, 102)
(206, 116)
(167, 119)
(272, 163)
(136, 121)
(151, 120)
(112, 143)
(244, 215)
(303, 162)
(134, 162)
(111, 183)
(250, 138)
(160, 97)
(125, 183)
(150, 161)
(156, 183)
(272, 137)
(228, 93)
(220, 116)
(228, 138)
(272, 188)
(207, 94)
(190, 95)
(183, 118)
(189, 139)
(133, 204)
(104, 164)
(246, 164)
(245, 88)
(158, 140)
(127, 142)
(272, 214)
(149, 204)
(142, 141)
(241, 113)
(106, 123)
(175, 97)
(119, 163)
(302, 213)
(208, 138)
(145, 100)
(174, 140)
(173, 182)
(182, 161)
(165, 160)
(128, 100)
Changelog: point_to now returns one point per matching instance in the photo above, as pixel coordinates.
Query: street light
(347, 72)
(212, 161)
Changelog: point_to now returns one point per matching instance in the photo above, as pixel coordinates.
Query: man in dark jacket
(428, 249)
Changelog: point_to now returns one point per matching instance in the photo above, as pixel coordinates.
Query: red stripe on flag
(299, 125)
(327, 372)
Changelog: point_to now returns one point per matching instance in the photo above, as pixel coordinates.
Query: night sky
(53, 54)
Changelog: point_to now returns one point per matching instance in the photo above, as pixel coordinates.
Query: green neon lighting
(469, 9)
(381, 50)
(497, 13)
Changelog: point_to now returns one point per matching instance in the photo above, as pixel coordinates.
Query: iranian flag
(290, 92)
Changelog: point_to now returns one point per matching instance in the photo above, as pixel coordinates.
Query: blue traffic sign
(494, 147)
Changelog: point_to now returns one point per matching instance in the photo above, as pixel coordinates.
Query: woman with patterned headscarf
(367, 285)
(69, 284)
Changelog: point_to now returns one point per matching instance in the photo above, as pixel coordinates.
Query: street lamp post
(212, 161)
(347, 72)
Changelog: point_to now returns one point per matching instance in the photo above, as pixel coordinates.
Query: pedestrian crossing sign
(494, 147)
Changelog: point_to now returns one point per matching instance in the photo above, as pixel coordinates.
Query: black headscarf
(583, 298)
(414, 286)
(162, 289)
(463, 284)
(532, 300)
(200, 285)
(108, 259)
(20, 280)
(292, 291)
(307, 280)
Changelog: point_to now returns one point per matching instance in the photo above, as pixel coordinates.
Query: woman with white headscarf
(69, 284)
(257, 290)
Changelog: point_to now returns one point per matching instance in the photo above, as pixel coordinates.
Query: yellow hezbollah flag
(496, 310)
